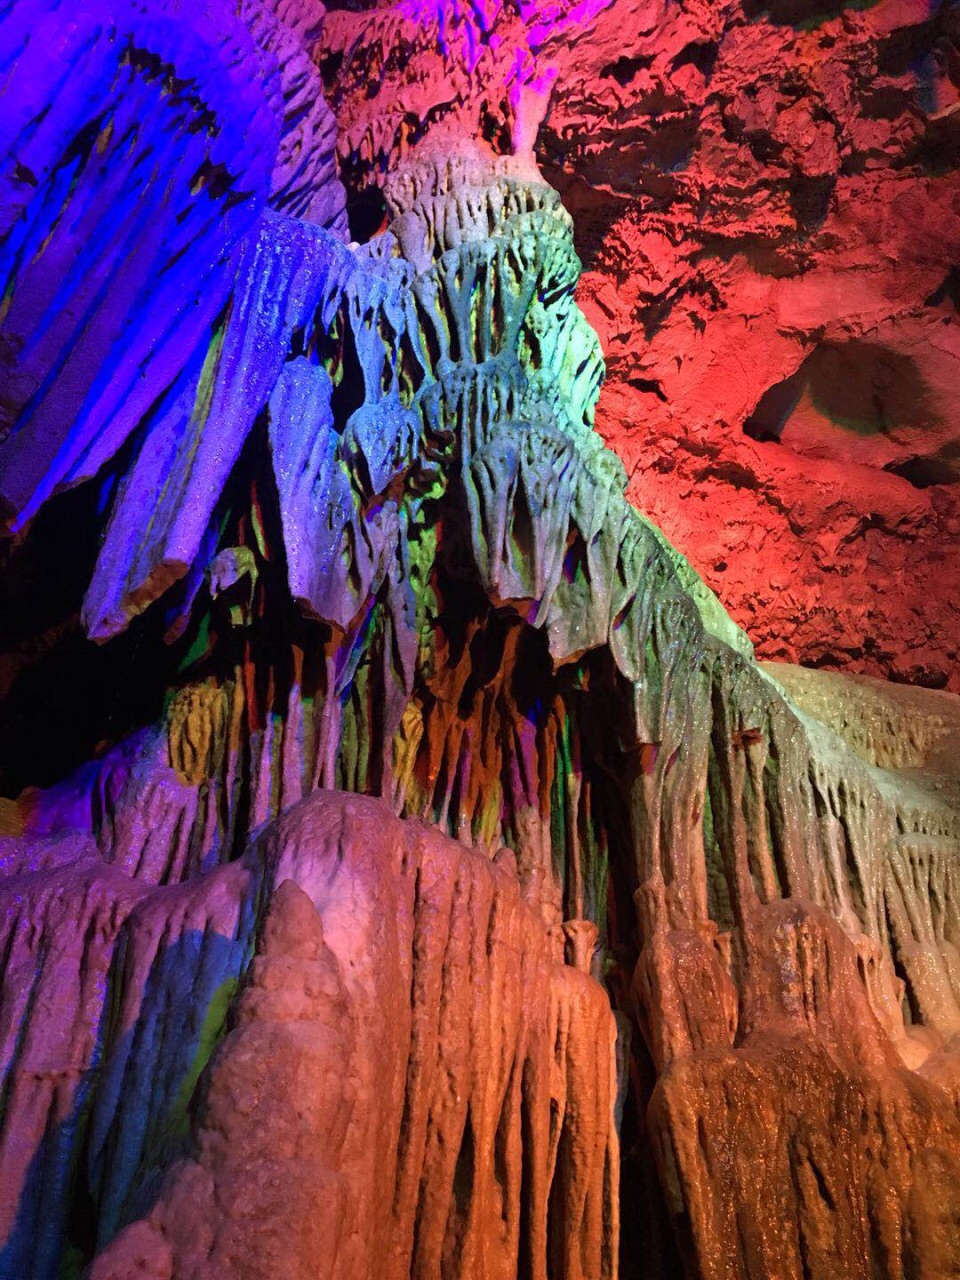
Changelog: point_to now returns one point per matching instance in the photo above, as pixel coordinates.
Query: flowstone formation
(424, 880)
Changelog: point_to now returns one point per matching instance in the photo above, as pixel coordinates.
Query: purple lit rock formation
(408, 868)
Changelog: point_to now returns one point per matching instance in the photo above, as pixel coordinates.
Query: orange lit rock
(414, 1084)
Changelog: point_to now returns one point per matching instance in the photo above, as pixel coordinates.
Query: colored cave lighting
(410, 871)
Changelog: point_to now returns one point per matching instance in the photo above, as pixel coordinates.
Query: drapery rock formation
(765, 198)
(408, 867)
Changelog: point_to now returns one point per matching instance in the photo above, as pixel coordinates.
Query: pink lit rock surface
(413, 1083)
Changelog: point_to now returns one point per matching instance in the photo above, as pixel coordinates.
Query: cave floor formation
(408, 868)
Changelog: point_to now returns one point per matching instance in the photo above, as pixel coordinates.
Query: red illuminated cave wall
(772, 278)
